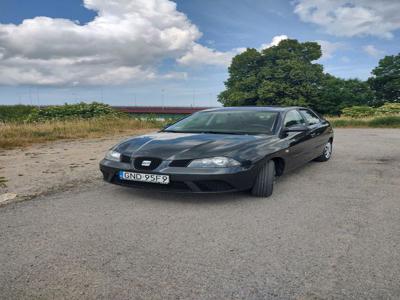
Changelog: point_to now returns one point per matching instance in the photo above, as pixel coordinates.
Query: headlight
(113, 155)
(214, 162)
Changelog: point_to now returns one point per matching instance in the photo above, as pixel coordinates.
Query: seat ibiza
(221, 150)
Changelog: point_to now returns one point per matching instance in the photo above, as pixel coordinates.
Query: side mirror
(297, 128)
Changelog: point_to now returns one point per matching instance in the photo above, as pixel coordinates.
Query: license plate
(152, 178)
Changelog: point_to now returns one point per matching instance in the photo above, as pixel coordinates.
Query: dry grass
(392, 121)
(24, 134)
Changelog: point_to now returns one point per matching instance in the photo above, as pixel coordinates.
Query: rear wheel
(327, 153)
(264, 184)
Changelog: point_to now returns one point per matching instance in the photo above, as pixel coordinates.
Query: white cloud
(373, 51)
(352, 17)
(329, 48)
(125, 41)
(200, 55)
(275, 41)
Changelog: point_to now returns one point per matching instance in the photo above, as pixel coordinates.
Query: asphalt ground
(330, 231)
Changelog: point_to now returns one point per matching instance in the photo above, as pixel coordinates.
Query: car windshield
(227, 122)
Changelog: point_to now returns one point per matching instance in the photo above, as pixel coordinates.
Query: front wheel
(326, 154)
(264, 184)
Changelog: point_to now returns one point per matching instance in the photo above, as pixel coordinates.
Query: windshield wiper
(182, 131)
(208, 132)
(223, 132)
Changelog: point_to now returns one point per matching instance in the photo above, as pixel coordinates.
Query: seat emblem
(146, 163)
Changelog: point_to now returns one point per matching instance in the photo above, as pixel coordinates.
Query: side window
(310, 116)
(293, 118)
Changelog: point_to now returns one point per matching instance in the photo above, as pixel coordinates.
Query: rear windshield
(230, 122)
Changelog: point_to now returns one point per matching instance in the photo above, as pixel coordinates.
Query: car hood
(172, 146)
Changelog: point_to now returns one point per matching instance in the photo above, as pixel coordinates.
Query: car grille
(180, 163)
(125, 158)
(154, 163)
(213, 185)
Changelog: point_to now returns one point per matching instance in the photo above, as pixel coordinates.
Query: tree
(386, 79)
(242, 83)
(338, 93)
(281, 75)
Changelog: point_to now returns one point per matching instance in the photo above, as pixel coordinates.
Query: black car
(222, 150)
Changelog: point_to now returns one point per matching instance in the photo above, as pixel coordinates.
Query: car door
(298, 143)
(317, 130)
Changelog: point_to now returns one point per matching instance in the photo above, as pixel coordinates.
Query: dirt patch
(380, 160)
(50, 167)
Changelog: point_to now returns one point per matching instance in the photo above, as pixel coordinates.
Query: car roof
(255, 108)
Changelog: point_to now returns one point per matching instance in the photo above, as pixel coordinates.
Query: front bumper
(184, 179)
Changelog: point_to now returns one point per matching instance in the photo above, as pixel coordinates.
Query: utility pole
(37, 97)
(30, 96)
(74, 97)
(162, 98)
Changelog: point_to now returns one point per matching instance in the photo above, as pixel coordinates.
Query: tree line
(287, 75)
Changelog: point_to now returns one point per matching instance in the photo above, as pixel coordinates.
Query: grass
(17, 113)
(24, 134)
(373, 122)
(18, 134)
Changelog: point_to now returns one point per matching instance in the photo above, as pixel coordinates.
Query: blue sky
(152, 51)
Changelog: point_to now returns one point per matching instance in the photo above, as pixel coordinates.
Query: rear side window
(311, 117)
(293, 118)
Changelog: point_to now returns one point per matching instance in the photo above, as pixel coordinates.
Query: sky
(175, 53)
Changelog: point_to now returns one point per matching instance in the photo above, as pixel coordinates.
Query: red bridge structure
(159, 110)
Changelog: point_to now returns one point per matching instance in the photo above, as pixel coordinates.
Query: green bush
(358, 111)
(388, 109)
(382, 121)
(73, 111)
(15, 113)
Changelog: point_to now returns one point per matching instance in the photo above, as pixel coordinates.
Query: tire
(326, 154)
(264, 184)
